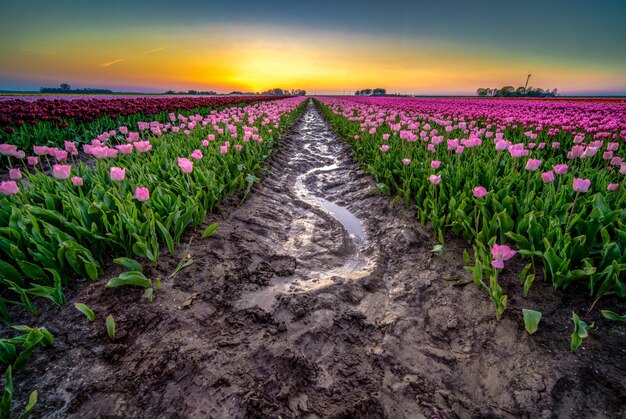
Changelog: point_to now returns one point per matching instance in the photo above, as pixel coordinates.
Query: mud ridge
(319, 298)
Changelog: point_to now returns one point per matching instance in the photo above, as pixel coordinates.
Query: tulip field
(51, 120)
(145, 187)
(539, 180)
(89, 186)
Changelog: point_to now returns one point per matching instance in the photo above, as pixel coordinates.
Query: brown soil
(285, 314)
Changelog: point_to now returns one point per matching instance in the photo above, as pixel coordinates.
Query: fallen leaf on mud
(457, 281)
(461, 283)
(184, 262)
(189, 301)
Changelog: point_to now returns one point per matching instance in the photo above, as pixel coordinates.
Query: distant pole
(527, 79)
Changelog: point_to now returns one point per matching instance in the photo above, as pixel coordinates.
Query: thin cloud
(110, 63)
(36, 51)
(152, 50)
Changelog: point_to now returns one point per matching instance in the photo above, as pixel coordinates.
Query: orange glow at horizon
(255, 59)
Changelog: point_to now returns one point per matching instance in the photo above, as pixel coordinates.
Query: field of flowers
(146, 186)
(543, 180)
(141, 190)
(49, 121)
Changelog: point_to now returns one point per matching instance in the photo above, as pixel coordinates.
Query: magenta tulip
(500, 254)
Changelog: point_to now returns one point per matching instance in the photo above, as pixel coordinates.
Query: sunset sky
(324, 47)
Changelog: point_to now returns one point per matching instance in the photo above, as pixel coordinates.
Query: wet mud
(317, 297)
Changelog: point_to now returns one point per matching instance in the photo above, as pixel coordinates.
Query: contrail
(110, 63)
(152, 50)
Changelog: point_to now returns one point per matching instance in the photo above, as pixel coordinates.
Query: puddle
(318, 266)
(347, 219)
(265, 297)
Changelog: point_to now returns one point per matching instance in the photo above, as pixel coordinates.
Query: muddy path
(319, 298)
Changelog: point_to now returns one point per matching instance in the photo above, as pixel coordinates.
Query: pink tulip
(560, 169)
(223, 149)
(185, 165)
(622, 169)
(533, 164)
(500, 254)
(61, 171)
(142, 194)
(612, 186)
(435, 180)
(9, 187)
(125, 148)
(123, 130)
(77, 181)
(100, 152)
(197, 154)
(386, 137)
(435, 164)
(8, 149)
(70, 147)
(117, 174)
(19, 154)
(32, 160)
(15, 174)
(142, 146)
(612, 146)
(40, 150)
(406, 161)
(384, 148)
(211, 137)
(238, 147)
(547, 177)
(581, 185)
(502, 145)
(205, 143)
(479, 192)
(60, 155)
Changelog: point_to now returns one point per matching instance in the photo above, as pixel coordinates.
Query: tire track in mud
(315, 298)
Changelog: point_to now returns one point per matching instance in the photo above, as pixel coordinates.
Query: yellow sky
(226, 58)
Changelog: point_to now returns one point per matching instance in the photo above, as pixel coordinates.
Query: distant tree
(482, 91)
(192, 92)
(379, 92)
(506, 91)
(65, 87)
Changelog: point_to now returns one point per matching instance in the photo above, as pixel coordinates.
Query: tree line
(66, 88)
(371, 92)
(510, 91)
